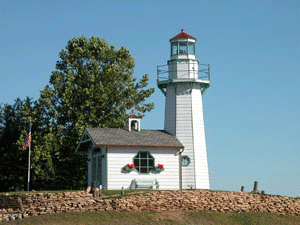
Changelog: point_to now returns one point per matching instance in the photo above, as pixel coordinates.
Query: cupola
(133, 122)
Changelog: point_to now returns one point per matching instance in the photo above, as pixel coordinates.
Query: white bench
(145, 183)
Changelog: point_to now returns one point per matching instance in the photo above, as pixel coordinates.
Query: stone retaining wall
(17, 206)
(41, 204)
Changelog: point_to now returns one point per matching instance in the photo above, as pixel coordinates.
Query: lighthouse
(183, 81)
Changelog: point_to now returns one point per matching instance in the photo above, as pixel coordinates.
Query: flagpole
(28, 180)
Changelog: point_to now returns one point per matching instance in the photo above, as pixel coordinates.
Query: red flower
(130, 165)
(160, 166)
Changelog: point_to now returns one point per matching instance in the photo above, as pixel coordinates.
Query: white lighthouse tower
(183, 81)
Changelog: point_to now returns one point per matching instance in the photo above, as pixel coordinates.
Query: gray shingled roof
(123, 137)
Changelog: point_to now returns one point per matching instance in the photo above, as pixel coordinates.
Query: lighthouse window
(144, 162)
(174, 48)
(183, 48)
(192, 48)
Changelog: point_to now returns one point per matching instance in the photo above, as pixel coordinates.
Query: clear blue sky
(252, 109)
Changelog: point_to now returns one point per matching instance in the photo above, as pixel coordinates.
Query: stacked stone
(9, 201)
(207, 200)
(46, 203)
(20, 206)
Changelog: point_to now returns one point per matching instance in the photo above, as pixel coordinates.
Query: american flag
(27, 140)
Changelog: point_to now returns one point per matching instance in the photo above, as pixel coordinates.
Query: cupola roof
(182, 35)
(133, 116)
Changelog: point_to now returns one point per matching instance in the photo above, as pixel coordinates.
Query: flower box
(159, 168)
(129, 167)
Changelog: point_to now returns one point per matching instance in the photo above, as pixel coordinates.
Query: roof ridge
(121, 128)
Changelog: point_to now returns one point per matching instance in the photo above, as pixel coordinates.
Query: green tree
(14, 160)
(92, 86)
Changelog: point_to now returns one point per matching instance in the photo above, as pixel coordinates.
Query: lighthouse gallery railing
(203, 72)
(203, 76)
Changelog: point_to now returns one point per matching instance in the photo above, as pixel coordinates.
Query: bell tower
(183, 81)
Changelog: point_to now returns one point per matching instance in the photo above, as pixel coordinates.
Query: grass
(103, 192)
(164, 217)
(35, 192)
(126, 192)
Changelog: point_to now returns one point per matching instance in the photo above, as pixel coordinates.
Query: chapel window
(144, 162)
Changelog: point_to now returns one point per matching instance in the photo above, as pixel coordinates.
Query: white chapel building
(170, 159)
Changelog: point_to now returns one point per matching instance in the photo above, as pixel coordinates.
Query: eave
(85, 143)
(139, 146)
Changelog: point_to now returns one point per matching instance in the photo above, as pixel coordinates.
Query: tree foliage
(92, 86)
(13, 166)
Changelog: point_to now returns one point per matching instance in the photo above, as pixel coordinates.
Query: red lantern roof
(182, 35)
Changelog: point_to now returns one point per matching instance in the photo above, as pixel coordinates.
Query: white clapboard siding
(184, 118)
(169, 111)
(201, 165)
(184, 131)
(117, 158)
(187, 68)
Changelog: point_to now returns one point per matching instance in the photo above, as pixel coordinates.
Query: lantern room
(182, 46)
